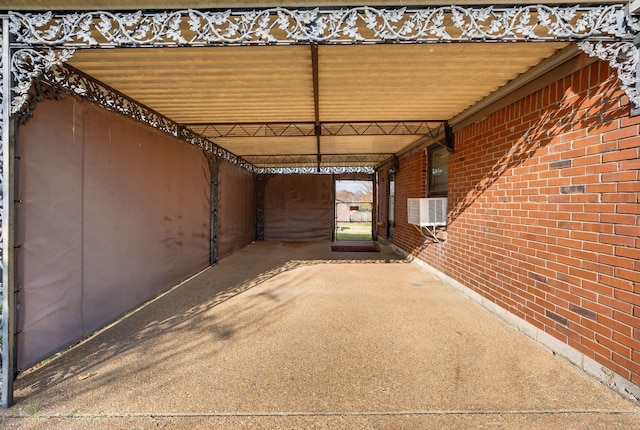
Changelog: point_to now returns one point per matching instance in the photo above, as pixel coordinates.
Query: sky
(349, 185)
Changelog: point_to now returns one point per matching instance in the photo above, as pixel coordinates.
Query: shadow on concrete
(185, 319)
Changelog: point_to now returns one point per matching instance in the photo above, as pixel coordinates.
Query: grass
(33, 411)
(353, 231)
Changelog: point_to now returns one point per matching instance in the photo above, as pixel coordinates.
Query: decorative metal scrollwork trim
(28, 65)
(285, 26)
(290, 26)
(40, 90)
(624, 58)
(323, 170)
(85, 87)
(67, 78)
(210, 147)
(90, 89)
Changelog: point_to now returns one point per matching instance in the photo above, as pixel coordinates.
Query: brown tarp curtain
(236, 208)
(299, 208)
(112, 214)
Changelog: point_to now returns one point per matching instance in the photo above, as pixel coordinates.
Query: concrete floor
(291, 335)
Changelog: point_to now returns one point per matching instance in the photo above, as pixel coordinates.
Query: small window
(438, 162)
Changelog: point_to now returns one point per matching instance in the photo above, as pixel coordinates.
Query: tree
(354, 191)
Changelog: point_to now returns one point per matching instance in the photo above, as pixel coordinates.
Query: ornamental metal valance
(624, 58)
(36, 34)
(318, 170)
(348, 25)
(604, 31)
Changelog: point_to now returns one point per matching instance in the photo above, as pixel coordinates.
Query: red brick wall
(410, 182)
(544, 218)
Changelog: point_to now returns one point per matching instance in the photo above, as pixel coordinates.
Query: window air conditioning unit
(428, 212)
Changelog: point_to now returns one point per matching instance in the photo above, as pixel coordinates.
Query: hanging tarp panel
(236, 208)
(298, 208)
(112, 214)
(49, 231)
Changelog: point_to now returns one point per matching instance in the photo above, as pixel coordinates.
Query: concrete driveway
(291, 335)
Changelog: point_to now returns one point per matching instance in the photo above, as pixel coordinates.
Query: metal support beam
(6, 224)
(307, 129)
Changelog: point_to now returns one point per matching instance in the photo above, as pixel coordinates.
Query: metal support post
(261, 185)
(214, 165)
(7, 222)
(635, 107)
(374, 206)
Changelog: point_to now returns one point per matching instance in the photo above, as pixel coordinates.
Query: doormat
(354, 248)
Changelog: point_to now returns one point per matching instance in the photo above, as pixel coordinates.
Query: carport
(279, 99)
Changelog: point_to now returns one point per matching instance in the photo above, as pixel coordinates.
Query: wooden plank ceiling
(205, 86)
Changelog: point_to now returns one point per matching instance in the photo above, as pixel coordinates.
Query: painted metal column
(261, 185)
(374, 207)
(6, 226)
(213, 247)
(635, 108)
